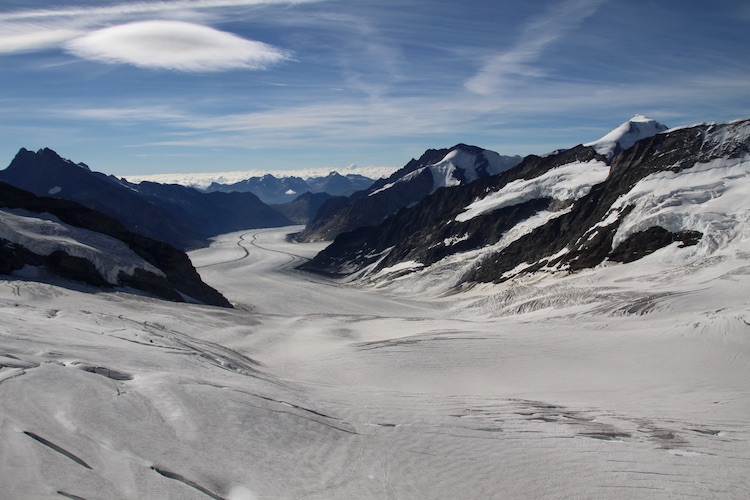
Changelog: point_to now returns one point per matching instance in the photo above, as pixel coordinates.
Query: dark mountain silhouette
(181, 216)
(280, 190)
(304, 208)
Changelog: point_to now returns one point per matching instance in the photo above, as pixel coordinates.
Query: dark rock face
(642, 243)
(269, 189)
(183, 217)
(580, 236)
(74, 268)
(674, 151)
(419, 233)
(210, 214)
(277, 191)
(404, 188)
(44, 172)
(366, 210)
(13, 257)
(336, 184)
(385, 197)
(181, 279)
(304, 208)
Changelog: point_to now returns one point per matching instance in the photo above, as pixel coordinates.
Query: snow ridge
(681, 198)
(565, 183)
(625, 135)
(461, 165)
(44, 234)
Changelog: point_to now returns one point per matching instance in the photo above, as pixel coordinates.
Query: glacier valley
(623, 381)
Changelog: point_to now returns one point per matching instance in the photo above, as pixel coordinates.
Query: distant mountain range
(639, 189)
(181, 216)
(279, 190)
(464, 214)
(435, 169)
(305, 207)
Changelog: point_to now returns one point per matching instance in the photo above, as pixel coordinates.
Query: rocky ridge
(181, 216)
(78, 244)
(567, 211)
(435, 169)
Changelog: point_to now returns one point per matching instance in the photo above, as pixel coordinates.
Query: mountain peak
(640, 118)
(45, 158)
(626, 134)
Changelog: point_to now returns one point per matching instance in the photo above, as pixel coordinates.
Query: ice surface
(711, 198)
(44, 234)
(566, 183)
(627, 381)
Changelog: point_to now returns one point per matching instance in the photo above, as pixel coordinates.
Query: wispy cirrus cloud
(112, 11)
(129, 114)
(185, 124)
(517, 63)
(32, 36)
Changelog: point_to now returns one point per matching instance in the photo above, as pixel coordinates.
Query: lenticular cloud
(174, 45)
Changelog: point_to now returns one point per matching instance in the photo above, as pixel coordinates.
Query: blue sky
(135, 88)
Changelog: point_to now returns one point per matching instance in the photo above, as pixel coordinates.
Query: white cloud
(29, 36)
(517, 63)
(114, 11)
(174, 45)
(333, 121)
(44, 29)
(131, 114)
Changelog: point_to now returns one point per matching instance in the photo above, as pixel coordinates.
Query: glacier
(617, 382)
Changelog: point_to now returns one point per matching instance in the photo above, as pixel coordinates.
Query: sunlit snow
(445, 172)
(711, 198)
(624, 136)
(566, 183)
(45, 234)
(621, 382)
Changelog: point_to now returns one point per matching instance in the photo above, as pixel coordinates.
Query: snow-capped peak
(444, 171)
(460, 165)
(625, 135)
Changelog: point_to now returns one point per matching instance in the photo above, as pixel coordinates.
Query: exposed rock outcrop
(181, 216)
(174, 277)
(567, 211)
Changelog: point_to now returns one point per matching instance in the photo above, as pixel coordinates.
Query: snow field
(566, 183)
(628, 381)
(44, 234)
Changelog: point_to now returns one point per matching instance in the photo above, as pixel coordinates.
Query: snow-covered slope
(44, 234)
(625, 135)
(567, 182)
(481, 214)
(460, 165)
(684, 189)
(621, 382)
(60, 241)
(435, 169)
(711, 198)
